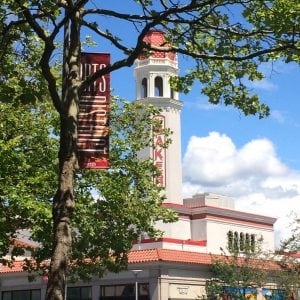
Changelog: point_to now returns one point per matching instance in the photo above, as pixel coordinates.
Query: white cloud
(264, 84)
(253, 175)
(278, 116)
(203, 104)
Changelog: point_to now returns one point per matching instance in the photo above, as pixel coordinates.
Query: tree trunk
(64, 202)
(63, 207)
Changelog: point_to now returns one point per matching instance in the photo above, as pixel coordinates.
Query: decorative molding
(183, 290)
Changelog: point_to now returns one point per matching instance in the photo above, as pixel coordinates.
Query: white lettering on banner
(87, 70)
(159, 153)
(93, 100)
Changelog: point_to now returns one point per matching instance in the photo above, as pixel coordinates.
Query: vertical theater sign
(93, 121)
(159, 152)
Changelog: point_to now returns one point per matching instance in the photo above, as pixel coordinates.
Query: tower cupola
(154, 69)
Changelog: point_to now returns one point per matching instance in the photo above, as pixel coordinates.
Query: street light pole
(136, 273)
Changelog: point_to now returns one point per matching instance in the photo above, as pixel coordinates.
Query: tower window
(144, 91)
(158, 87)
(172, 93)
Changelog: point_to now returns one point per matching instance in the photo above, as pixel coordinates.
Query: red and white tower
(152, 73)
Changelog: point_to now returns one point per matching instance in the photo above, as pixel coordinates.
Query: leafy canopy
(225, 40)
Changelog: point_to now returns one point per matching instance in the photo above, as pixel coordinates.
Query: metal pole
(136, 273)
(136, 289)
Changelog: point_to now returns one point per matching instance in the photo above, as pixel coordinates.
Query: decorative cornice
(204, 212)
(162, 102)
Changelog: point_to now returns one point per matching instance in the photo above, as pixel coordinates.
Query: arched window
(242, 241)
(230, 240)
(252, 242)
(158, 83)
(247, 242)
(236, 241)
(172, 93)
(144, 91)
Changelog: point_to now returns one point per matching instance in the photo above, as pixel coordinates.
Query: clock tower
(152, 73)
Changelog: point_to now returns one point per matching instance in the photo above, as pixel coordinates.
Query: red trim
(240, 219)
(175, 241)
(296, 255)
(269, 222)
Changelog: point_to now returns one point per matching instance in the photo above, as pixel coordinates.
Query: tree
(102, 233)
(288, 260)
(292, 244)
(227, 40)
(238, 274)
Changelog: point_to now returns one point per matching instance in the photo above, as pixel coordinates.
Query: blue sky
(256, 162)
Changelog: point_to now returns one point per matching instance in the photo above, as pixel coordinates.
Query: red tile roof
(16, 267)
(142, 256)
(168, 255)
(157, 38)
(158, 255)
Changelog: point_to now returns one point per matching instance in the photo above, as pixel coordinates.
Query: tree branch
(105, 35)
(45, 60)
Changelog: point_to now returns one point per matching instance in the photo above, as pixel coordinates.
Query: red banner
(93, 120)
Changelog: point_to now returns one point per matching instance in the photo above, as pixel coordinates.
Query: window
(252, 242)
(144, 90)
(124, 292)
(158, 83)
(22, 295)
(230, 240)
(79, 293)
(241, 241)
(269, 294)
(235, 293)
(236, 241)
(247, 242)
(172, 93)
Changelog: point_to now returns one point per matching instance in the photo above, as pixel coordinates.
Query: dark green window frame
(34, 294)
(79, 293)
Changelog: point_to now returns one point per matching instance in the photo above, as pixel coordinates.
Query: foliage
(292, 244)
(236, 273)
(227, 39)
(28, 154)
(288, 259)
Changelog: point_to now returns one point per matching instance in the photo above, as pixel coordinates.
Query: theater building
(175, 266)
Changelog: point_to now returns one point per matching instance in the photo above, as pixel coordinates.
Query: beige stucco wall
(217, 235)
